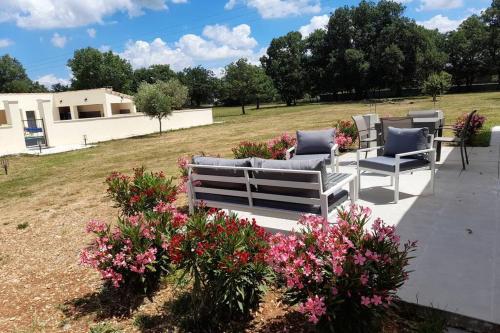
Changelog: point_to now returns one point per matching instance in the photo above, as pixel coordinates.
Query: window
(64, 113)
(3, 118)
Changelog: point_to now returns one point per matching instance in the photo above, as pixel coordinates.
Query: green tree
(152, 74)
(241, 82)
(201, 83)
(264, 90)
(59, 87)
(284, 64)
(94, 69)
(491, 17)
(392, 65)
(437, 84)
(13, 77)
(467, 50)
(159, 99)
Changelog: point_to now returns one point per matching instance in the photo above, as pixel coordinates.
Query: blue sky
(212, 33)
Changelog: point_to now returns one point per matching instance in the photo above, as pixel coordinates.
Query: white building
(76, 117)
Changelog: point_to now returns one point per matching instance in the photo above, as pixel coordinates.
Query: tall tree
(467, 50)
(264, 89)
(241, 82)
(13, 77)
(201, 83)
(94, 69)
(152, 74)
(491, 17)
(284, 64)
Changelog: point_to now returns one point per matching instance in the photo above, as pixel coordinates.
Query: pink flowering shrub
(342, 276)
(141, 192)
(279, 145)
(476, 124)
(134, 253)
(247, 149)
(345, 134)
(182, 163)
(224, 258)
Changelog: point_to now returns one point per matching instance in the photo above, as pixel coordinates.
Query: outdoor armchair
(313, 145)
(405, 151)
(366, 134)
(460, 139)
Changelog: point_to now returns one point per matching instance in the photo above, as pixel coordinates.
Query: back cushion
(403, 140)
(424, 114)
(310, 165)
(315, 142)
(215, 161)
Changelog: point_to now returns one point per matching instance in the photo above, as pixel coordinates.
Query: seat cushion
(315, 142)
(215, 161)
(325, 157)
(308, 165)
(386, 163)
(403, 140)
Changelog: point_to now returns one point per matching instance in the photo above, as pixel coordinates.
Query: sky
(43, 34)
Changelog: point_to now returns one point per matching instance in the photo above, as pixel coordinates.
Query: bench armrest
(289, 152)
(429, 150)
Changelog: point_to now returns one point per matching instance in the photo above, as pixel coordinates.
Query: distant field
(55, 195)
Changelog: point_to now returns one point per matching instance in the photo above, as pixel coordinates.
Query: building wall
(121, 126)
(68, 132)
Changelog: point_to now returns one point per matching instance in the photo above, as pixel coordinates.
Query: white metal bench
(268, 192)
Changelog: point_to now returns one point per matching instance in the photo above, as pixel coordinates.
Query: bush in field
(141, 192)
(342, 276)
(476, 124)
(133, 254)
(345, 134)
(224, 258)
(279, 145)
(437, 84)
(247, 149)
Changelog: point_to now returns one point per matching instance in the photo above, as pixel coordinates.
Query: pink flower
(359, 259)
(364, 279)
(96, 226)
(314, 308)
(134, 220)
(376, 300)
(365, 301)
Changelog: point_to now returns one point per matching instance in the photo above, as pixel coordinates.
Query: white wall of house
(111, 125)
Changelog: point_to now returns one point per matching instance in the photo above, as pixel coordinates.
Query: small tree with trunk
(151, 100)
(437, 84)
(241, 82)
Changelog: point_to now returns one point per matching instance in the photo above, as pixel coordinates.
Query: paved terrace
(457, 264)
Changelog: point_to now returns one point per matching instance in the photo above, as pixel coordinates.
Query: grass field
(46, 201)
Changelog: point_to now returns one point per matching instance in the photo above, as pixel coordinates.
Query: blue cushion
(386, 163)
(315, 142)
(325, 157)
(403, 140)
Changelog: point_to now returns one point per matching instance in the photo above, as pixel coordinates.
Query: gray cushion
(424, 114)
(310, 165)
(222, 198)
(325, 157)
(215, 161)
(386, 163)
(315, 142)
(403, 140)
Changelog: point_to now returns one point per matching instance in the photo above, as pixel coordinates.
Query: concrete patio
(457, 266)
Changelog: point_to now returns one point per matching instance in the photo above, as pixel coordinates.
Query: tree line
(364, 49)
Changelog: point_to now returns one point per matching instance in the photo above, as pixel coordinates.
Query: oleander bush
(141, 192)
(345, 134)
(246, 149)
(343, 277)
(133, 254)
(476, 124)
(223, 256)
(279, 145)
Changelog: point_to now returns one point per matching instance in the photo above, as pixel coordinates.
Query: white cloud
(237, 37)
(476, 11)
(279, 8)
(440, 22)
(91, 32)
(5, 42)
(143, 54)
(316, 22)
(217, 43)
(218, 72)
(439, 4)
(58, 40)
(50, 79)
(50, 14)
